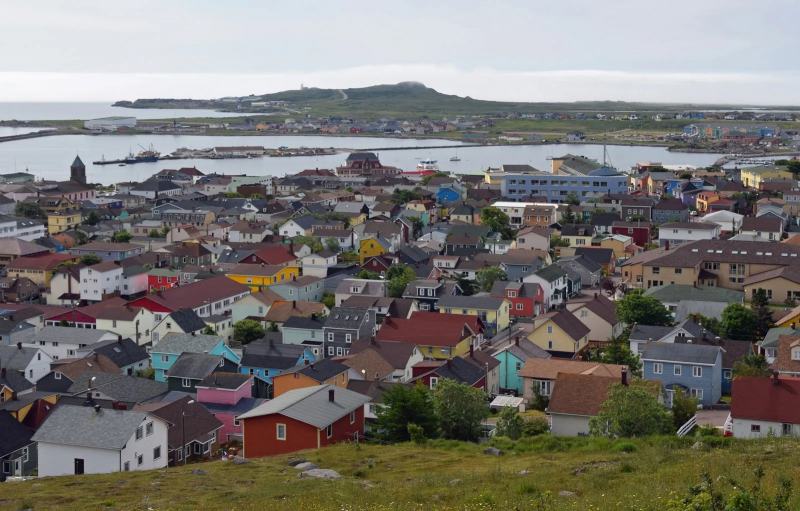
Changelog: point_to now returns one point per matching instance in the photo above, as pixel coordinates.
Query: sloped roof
(766, 399)
(177, 343)
(429, 329)
(273, 355)
(549, 368)
(679, 352)
(321, 370)
(194, 365)
(579, 394)
(83, 426)
(312, 405)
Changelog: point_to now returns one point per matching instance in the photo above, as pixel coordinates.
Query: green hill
(542, 473)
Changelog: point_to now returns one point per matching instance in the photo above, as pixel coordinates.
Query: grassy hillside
(601, 474)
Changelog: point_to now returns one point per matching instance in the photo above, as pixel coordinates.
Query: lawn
(529, 475)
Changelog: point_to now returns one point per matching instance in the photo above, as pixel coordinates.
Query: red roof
(275, 254)
(192, 295)
(41, 262)
(766, 399)
(429, 329)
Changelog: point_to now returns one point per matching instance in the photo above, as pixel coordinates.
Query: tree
(751, 365)
(328, 300)
(635, 307)
(333, 245)
(510, 423)
(618, 351)
(558, 241)
(90, 259)
(247, 330)
(416, 225)
(760, 305)
(739, 322)
(399, 275)
(460, 409)
(404, 196)
(684, 407)
(497, 221)
(568, 217)
(572, 199)
(121, 236)
(631, 411)
(156, 233)
(486, 277)
(405, 405)
(313, 243)
(367, 274)
(92, 218)
(468, 287)
(209, 331)
(29, 210)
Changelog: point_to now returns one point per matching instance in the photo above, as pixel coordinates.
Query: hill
(542, 473)
(401, 100)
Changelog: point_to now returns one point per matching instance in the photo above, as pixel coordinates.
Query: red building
(365, 164)
(160, 279)
(527, 299)
(306, 418)
(639, 231)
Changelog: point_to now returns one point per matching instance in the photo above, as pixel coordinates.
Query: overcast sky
(651, 50)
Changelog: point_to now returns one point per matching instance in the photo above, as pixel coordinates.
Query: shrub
(625, 447)
(416, 433)
(535, 426)
(510, 423)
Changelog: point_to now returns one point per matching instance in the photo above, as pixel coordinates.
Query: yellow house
(370, 247)
(791, 318)
(63, 221)
(259, 276)
(493, 312)
(437, 336)
(560, 333)
(39, 269)
(20, 413)
(578, 235)
(619, 243)
(754, 176)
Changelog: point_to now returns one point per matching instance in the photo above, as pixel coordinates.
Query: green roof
(771, 339)
(678, 292)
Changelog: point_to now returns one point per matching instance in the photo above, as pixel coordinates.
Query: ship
(424, 168)
(455, 158)
(145, 155)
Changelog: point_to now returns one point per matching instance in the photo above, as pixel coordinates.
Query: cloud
(480, 83)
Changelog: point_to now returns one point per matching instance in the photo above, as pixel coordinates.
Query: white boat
(427, 166)
(455, 158)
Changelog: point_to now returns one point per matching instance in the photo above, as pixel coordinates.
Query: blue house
(512, 358)
(693, 368)
(266, 358)
(164, 354)
(447, 194)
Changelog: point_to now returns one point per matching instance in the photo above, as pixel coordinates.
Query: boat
(427, 166)
(455, 158)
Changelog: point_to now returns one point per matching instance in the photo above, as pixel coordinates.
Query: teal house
(512, 358)
(164, 354)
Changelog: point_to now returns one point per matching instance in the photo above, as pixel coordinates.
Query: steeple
(77, 171)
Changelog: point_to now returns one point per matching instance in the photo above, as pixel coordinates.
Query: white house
(290, 229)
(317, 265)
(64, 342)
(64, 287)
(248, 232)
(100, 280)
(673, 234)
(553, 281)
(575, 399)
(134, 280)
(764, 406)
(30, 230)
(728, 221)
(94, 440)
(31, 362)
(767, 227)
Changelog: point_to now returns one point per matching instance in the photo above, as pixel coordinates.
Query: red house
(639, 231)
(526, 299)
(275, 254)
(205, 297)
(160, 279)
(307, 418)
(429, 372)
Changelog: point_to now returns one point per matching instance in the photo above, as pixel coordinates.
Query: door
(78, 466)
(18, 467)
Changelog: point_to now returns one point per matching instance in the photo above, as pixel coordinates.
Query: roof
(369, 363)
(790, 273)
(549, 368)
(579, 394)
(16, 358)
(201, 426)
(429, 329)
(551, 273)
(766, 399)
(281, 311)
(178, 343)
(680, 352)
(107, 246)
(15, 436)
(766, 223)
(187, 320)
(194, 294)
(371, 388)
(119, 387)
(321, 370)
(41, 262)
(307, 323)
(569, 323)
(345, 317)
(395, 353)
(603, 307)
(71, 335)
(783, 358)
(457, 368)
(726, 251)
(223, 380)
(471, 302)
(18, 247)
(83, 426)
(194, 365)
(265, 353)
(312, 405)
(670, 293)
(122, 352)
(701, 226)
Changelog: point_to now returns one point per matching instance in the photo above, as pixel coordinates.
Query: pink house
(227, 395)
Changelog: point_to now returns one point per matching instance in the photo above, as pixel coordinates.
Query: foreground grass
(602, 475)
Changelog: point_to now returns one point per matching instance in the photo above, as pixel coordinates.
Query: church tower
(77, 171)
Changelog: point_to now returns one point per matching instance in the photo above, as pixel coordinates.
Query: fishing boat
(427, 166)
(455, 158)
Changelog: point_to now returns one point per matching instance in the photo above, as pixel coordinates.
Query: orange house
(326, 371)
(705, 199)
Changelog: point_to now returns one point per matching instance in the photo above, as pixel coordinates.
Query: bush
(535, 426)
(625, 447)
(416, 434)
(510, 423)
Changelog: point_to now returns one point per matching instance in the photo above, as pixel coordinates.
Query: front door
(18, 467)
(78, 466)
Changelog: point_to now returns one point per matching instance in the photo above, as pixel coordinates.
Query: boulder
(321, 473)
(492, 451)
(305, 465)
(565, 493)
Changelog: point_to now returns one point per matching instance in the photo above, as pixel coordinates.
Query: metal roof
(312, 405)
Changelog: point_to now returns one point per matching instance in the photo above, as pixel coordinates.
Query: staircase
(687, 427)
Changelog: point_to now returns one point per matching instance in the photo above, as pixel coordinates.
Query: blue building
(693, 368)
(166, 352)
(511, 359)
(523, 181)
(266, 358)
(447, 194)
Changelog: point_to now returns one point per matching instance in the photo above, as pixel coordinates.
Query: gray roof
(345, 317)
(671, 293)
(71, 335)
(474, 302)
(188, 320)
(194, 365)
(122, 352)
(680, 352)
(649, 332)
(15, 358)
(186, 343)
(551, 273)
(311, 405)
(119, 387)
(84, 426)
(771, 339)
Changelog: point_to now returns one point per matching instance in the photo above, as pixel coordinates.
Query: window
(165, 358)
(348, 338)
(519, 306)
(280, 431)
(139, 433)
(433, 382)
(186, 382)
(786, 429)
(57, 375)
(544, 387)
(25, 454)
(656, 270)
(148, 428)
(796, 354)
(126, 467)
(330, 350)
(678, 271)
(352, 417)
(726, 374)
(697, 393)
(658, 368)
(329, 430)
(330, 336)
(339, 351)
(755, 428)
(139, 459)
(236, 422)
(157, 453)
(677, 370)
(697, 371)
(549, 329)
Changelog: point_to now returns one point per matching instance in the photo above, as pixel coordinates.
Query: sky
(711, 51)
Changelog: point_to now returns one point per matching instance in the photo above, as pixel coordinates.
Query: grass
(601, 473)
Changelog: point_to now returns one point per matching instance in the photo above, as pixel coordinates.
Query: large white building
(94, 440)
(21, 228)
(64, 341)
(110, 123)
(100, 280)
(678, 233)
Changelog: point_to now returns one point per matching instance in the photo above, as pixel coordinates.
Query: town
(194, 316)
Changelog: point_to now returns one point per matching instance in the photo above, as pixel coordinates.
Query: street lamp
(183, 431)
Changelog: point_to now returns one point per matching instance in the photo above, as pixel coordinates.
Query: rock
(239, 461)
(367, 485)
(697, 445)
(565, 493)
(198, 472)
(524, 472)
(492, 451)
(296, 461)
(305, 465)
(321, 473)
(454, 482)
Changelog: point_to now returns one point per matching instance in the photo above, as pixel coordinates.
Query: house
(17, 450)
(539, 374)
(303, 418)
(259, 276)
(427, 292)
(160, 279)
(692, 368)
(27, 361)
(575, 399)
(214, 295)
(375, 391)
(728, 221)
(682, 300)
(534, 237)
(787, 355)
(39, 269)
(112, 389)
(493, 312)
(553, 281)
(599, 314)
(318, 265)
(431, 372)
(64, 342)
(11, 248)
(304, 330)
(581, 272)
(95, 440)
(670, 210)
(577, 235)
(371, 247)
(282, 311)
(526, 299)
(560, 333)
(100, 281)
(765, 406)
(389, 361)
(182, 321)
(265, 358)
(227, 395)
(165, 352)
(641, 334)
(438, 336)
(248, 232)
(66, 372)
(326, 371)
(639, 231)
(108, 251)
(358, 287)
(189, 369)
(64, 220)
(674, 234)
(193, 431)
(781, 284)
(343, 327)
(305, 288)
(124, 353)
(512, 357)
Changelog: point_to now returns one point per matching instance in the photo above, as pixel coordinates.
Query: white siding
(569, 425)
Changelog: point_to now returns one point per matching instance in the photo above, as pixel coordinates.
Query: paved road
(714, 418)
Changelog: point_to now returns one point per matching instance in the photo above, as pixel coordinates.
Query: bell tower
(77, 171)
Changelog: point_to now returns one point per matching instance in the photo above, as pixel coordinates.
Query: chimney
(625, 376)
(330, 395)
(192, 334)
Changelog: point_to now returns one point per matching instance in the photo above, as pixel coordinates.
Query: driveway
(715, 418)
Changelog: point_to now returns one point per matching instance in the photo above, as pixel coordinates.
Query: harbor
(219, 153)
